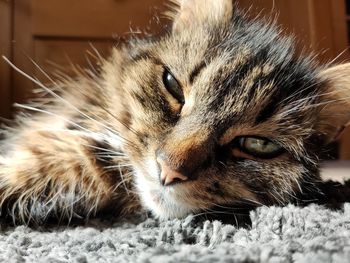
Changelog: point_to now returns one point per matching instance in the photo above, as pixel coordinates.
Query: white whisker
(61, 99)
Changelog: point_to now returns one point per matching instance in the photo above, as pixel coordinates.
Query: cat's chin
(160, 200)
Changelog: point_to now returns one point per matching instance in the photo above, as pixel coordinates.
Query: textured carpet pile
(277, 234)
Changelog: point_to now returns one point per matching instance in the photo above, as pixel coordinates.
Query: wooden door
(5, 50)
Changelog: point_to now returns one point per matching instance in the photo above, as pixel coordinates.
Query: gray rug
(277, 234)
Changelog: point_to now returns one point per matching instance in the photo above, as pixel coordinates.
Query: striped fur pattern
(89, 144)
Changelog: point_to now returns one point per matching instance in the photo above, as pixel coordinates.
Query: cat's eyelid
(289, 144)
(246, 130)
(230, 134)
(196, 71)
(241, 148)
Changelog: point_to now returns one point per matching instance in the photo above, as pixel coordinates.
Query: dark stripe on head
(229, 81)
(145, 55)
(196, 72)
(291, 85)
(154, 100)
(270, 108)
(151, 98)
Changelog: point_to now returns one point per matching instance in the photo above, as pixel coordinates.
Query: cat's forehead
(240, 38)
(245, 71)
(239, 51)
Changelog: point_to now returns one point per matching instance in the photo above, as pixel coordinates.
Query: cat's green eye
(259, 147)
(173, 86)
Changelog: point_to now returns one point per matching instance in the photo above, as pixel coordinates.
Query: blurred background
(57, 33)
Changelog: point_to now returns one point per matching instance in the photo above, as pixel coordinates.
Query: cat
(218, 112)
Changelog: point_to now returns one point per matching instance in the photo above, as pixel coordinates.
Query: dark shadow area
(331, 194)
(240, 218)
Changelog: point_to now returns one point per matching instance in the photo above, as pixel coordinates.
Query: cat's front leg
(61, 174)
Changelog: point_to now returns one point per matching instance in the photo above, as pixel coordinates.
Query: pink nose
(169, 176)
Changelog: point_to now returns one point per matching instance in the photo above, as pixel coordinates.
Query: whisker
(94, 72)
(89, 134)
(96, 52)
(338, 56)
(59, 97)
(123, 179)
(106, 151)
(206, 212)
(114, 117)
(41, 70)
(111, 167)
(49, 113)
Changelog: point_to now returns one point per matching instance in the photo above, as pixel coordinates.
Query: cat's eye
(259, 147)
(173, 86)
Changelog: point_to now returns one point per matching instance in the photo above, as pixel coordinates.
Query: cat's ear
(194, 12)
(335, 101)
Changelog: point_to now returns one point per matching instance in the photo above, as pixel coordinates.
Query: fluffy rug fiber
(277, 234)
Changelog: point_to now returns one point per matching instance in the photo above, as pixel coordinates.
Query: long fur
(90, 144)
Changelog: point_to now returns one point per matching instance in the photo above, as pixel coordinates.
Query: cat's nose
(169, 176)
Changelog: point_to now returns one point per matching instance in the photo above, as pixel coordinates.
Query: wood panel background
(5, 50)
(97, 19)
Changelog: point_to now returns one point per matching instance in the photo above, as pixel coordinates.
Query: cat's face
(221, 113)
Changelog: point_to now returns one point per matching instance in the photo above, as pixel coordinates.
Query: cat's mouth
(164, 202)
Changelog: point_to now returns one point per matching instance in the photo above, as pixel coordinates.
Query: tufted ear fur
(335, 101)
(194, 12)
